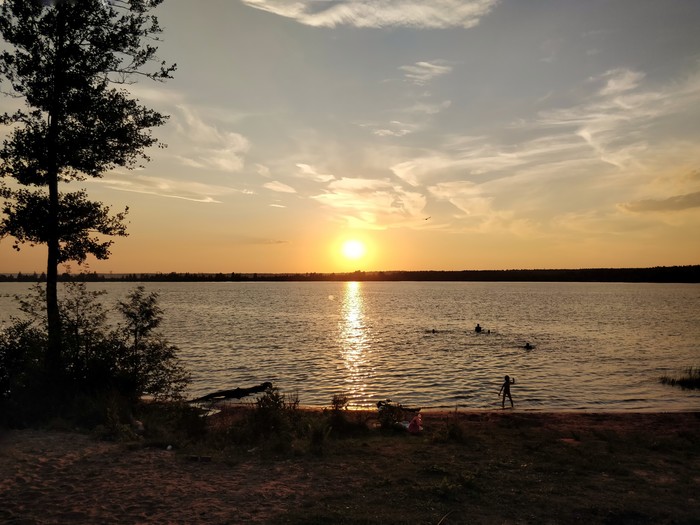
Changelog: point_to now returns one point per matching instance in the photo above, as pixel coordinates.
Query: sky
(441, 135)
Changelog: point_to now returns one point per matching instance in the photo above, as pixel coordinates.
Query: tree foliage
(70, 62)
(27, 214)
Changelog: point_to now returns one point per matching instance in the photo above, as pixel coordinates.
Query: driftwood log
(235, 393)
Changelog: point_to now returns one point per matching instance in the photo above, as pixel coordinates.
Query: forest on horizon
(657, 274)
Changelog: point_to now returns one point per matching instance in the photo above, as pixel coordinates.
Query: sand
(49, 477)
(53, 477)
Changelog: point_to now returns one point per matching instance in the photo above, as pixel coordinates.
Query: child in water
(505, 388)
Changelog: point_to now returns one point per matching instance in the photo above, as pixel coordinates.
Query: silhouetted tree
(69, 62)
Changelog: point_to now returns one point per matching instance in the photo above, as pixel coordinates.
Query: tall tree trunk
(53, 354)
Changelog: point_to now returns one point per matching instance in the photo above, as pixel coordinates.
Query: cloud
(309, 172)
(478, 160)
(421, 73)
(279, 187)
(384, 132)
(208, 147)
(395, 128)
(508, 182)
(158, 186)
(428, 109)
(435, 14)
(370, 203)
(262, 170)
(157, 95)
(464, 195)
(616, 122)
(478, 212)
(257, 241)
(616, 128)
(621, 80)
(675, 203)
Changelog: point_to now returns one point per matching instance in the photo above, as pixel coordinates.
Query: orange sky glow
(450, 135)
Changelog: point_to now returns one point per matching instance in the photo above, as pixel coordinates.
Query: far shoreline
(686, 274)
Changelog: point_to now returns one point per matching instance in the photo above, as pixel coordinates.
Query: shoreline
(675, 274)
(435, 410)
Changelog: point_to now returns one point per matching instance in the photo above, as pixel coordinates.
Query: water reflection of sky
(354, 341)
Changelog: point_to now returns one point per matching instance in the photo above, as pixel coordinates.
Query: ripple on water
(597, 346)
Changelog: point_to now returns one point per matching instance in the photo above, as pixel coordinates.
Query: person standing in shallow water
(505, 388)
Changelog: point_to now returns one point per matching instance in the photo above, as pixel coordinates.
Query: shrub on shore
(105, 369)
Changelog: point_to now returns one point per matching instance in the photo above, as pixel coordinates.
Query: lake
(597, 346)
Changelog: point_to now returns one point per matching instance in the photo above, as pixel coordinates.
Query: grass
(491, 467)
(343, 467)
(688, 379)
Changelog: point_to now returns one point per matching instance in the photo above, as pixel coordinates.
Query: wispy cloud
(621, 80)
(310, 172)
(395, 128)
(279, 187)
(427, 108)
(206, 146)
(467, 196)
(158, 186)
(256, 241)
(370, 203)
(481, 159)
(435, 14)
(421, 73)
(616, 121)
(675, 203)
(478, 213)
(593, 150)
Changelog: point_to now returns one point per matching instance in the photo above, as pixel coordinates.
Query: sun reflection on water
(354, 340)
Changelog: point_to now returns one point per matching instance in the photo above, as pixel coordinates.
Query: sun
(353, 249)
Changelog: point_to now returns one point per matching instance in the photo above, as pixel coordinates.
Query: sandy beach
(500, 467)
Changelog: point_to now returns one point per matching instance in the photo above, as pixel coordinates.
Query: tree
(70, 62)
(148, 361)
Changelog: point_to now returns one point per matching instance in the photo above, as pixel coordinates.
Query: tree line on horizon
(657, 274)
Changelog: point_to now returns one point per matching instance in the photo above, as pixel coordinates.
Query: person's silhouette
(505, 388)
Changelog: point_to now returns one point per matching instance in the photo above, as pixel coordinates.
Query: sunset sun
(353, 249)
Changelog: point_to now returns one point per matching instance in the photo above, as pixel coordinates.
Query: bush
(22, 350)
(339, 422)
(390, 414)
(98, 362)
(273, 414)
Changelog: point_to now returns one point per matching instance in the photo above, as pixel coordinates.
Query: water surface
(597, 346)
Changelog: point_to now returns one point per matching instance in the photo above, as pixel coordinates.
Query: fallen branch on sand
(235, 393)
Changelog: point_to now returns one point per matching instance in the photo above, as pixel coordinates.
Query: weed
(688, 379)
(339, 402)
(447, 490)
(451, 432)
(319, 433)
